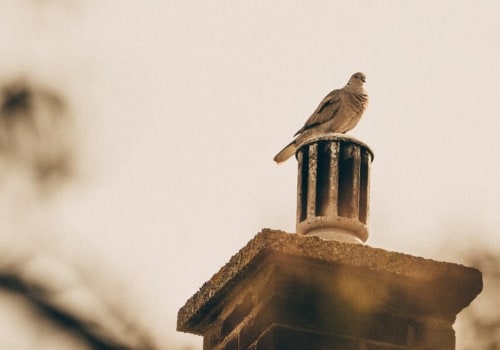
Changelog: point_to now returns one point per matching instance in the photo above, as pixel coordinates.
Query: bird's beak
(363, 80)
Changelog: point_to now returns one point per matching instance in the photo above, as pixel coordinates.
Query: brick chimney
(320, 289)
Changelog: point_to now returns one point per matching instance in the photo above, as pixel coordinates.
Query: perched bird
(338, 112)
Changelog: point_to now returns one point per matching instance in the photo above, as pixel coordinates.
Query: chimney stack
(317, 290)
(333, 187)
(295, 292)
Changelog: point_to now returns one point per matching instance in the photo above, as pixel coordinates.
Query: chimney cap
(301, 142)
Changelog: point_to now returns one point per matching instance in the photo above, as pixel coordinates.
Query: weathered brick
(431, 335)
(284, 338)
(240, 311)
(231, 344)
(290, 292)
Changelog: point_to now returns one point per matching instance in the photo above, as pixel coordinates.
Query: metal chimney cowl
(333, 187)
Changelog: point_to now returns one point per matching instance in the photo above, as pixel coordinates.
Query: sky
(179, 107)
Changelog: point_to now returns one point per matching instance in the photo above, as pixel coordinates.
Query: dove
(338, 112)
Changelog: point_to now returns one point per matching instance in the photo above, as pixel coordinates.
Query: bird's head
(357, 79)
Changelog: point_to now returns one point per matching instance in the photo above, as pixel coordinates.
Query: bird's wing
(326, 110)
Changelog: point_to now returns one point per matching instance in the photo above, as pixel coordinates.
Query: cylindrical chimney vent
(333, 187)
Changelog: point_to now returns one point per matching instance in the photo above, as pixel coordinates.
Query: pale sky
(180, 107)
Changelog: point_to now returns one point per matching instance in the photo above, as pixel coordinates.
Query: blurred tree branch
(478, 326)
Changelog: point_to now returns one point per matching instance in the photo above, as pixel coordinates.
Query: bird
(339, 112)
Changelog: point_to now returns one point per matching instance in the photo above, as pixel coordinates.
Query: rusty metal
(333, 187)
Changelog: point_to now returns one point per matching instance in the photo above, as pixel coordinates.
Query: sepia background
(169, 115)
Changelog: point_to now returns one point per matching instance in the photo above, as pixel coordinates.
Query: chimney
(333, 187)
(320, 289)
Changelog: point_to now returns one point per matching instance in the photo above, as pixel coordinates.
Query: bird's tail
(286, 152)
